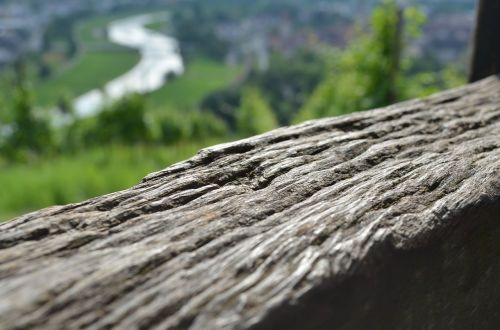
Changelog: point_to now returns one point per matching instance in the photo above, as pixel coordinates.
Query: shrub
(254, 115)
(123, 121)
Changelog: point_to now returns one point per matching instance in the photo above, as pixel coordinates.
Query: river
(160, 57)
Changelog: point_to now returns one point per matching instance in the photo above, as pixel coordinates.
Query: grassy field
(68, 179)
(100, 61)
(202, 77)
(93, 70)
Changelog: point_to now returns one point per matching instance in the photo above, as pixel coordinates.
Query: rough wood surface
(381, 219)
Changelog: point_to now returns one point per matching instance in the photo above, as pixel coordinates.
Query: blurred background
(95, 94)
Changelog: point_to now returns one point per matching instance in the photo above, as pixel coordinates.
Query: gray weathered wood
(381, 219)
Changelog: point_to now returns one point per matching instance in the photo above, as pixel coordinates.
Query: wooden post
(486, 51)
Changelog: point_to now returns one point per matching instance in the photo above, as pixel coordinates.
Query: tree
(374, 70)
(254, 115)
(486, 51)
(204, 126)
(223, 104)
(289, 81)
(123, 121)
(369, 73)
(29, 134)
(286, 85)
(65, 105)
(173, 127)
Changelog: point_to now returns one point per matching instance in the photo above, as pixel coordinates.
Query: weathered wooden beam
(382, 219)
(486, 48)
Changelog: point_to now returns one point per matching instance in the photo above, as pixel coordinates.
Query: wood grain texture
(381, 219)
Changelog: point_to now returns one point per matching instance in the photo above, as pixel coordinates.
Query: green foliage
(374, 70)
(123, 121)
(427, 83)
(172, 127)
(204, 126)
(365, 74)
(322, 101)
(78, 135)
(255, 115)
(286, 85)
(289, 81)
(129, 121)
(169, 127)
(28, 135)
(223, 104)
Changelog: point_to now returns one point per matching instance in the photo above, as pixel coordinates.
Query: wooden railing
(382, 219)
